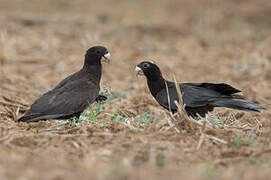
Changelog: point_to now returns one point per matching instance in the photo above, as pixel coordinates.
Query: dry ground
(41, 42)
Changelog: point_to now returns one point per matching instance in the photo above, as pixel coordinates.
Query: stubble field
(131, 136)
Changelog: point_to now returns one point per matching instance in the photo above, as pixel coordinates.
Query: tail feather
(29, 118)
(42, 117)
(240, 105)
(237, 96)
(222, 88)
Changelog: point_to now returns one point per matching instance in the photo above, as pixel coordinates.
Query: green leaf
(116, 95)
(160, 160)
(218, 123)
(237, 141)
(136, 120)
(114, 117)
(252, 160)
(122, 119)
(196, 118)
(145, 117)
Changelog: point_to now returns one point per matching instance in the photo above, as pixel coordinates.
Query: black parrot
(73, 94)
(199, 98)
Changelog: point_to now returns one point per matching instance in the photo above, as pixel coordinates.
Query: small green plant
(218, 123)
(93, 113)
(252, 160)
(262, 160)
(93, 116)
(123, 120)
(255, 160)
(90, 116)
(196, 118)
(160, 160)
(143, 119)
(215, 120)
(116, 116)
(208, 171)
(237, 141)
(76, 121)
(99, 107)
(252, 141)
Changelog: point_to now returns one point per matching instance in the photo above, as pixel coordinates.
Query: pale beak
(106, 57)
(139, 71)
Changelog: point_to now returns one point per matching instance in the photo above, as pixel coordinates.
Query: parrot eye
(146, 65)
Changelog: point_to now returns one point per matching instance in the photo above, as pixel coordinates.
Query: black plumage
(73, 94)
(199, 98)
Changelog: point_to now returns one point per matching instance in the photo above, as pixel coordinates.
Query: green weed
(160, 160)
(215, 120)
(237, 141)
(116, 116)
(143, 119)
(255, 160)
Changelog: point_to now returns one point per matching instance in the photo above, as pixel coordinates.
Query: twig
(216, 139)
(181, 106)
(202, 137)
(9, 104)
(15, 101)
(261, 153)
(170, 111)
